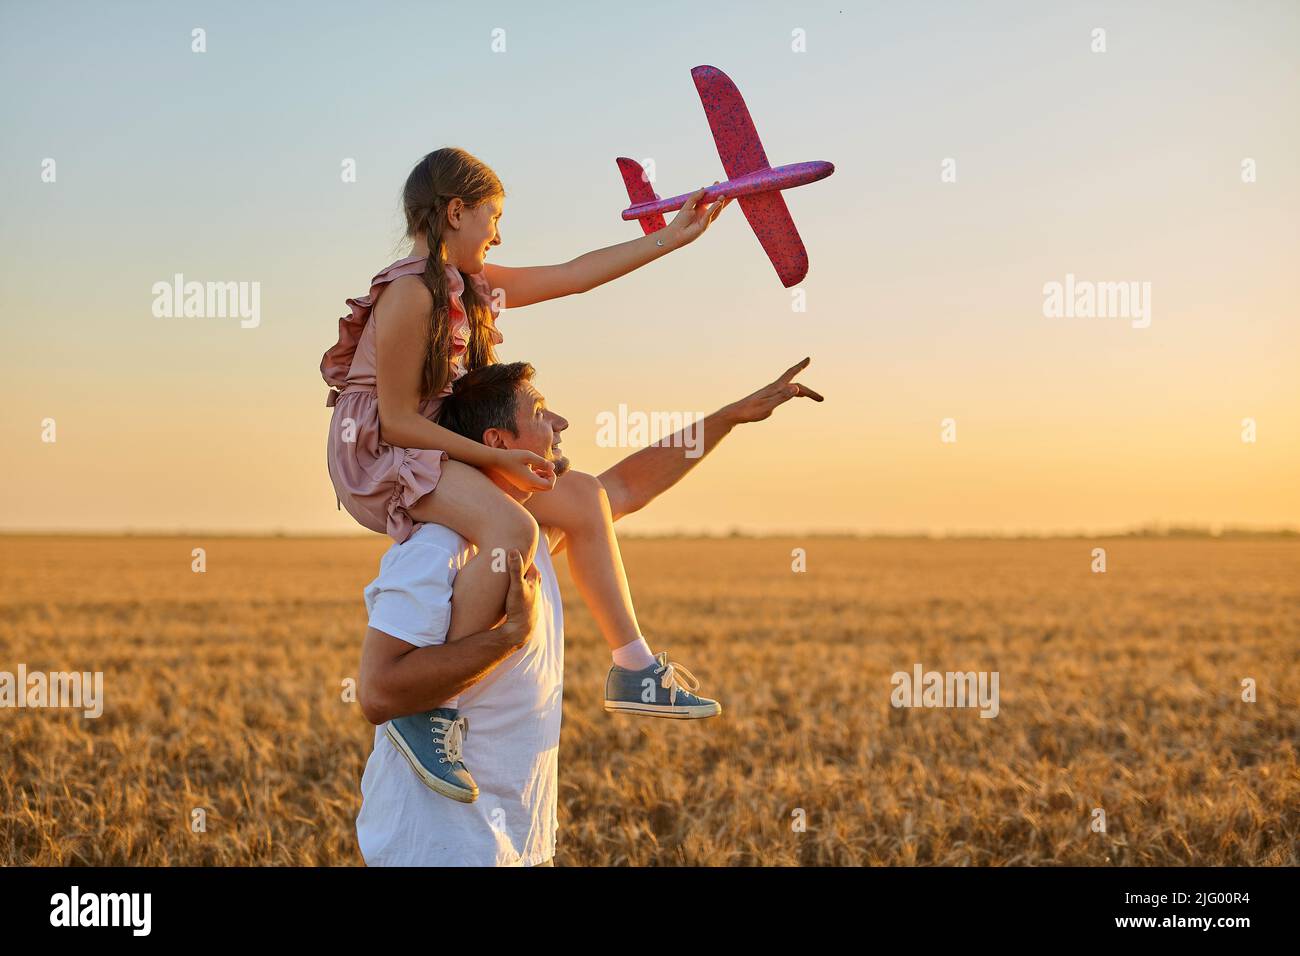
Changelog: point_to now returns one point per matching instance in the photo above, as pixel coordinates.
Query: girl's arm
(401, 342)
(525, 286)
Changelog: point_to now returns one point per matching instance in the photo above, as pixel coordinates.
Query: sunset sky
(925, 298)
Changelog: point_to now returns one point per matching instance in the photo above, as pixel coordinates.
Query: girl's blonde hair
(441, 176)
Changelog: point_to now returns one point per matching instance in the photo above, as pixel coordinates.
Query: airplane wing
(741, 152)
(738, 144)
(771, 222)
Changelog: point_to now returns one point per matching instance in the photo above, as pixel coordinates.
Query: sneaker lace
(675, 677)
(450, 734)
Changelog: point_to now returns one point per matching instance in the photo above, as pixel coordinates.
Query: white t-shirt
(513, 742)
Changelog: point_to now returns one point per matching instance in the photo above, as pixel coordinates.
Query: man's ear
(492, 438)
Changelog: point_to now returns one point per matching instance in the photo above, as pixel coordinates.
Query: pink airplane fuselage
(759, 181)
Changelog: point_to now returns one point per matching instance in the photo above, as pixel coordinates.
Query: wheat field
(1119, 691)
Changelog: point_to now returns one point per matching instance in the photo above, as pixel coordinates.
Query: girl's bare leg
(469, 503)
(579, 507)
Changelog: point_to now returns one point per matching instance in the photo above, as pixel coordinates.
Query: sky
(981, 152)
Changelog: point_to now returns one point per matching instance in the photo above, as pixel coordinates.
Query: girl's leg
(579, 507)
(469, 503)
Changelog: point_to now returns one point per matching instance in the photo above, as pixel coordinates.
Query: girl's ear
(454, 210)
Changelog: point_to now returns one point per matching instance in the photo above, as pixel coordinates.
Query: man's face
(539, 428)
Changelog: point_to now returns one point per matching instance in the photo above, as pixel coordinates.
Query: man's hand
(398, 678)
(640, 478)
(521, 601)
(759, 405)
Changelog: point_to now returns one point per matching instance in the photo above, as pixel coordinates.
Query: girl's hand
(524, 469)
(692, 219)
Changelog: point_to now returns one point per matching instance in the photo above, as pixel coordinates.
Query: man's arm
(398, 678)
(643, 476)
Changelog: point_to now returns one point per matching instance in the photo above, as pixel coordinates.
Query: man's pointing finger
(794, 370)
(806, 392)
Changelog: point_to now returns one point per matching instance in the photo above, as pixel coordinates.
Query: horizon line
(1150, 530)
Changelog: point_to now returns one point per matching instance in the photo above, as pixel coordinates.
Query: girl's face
(474, 231)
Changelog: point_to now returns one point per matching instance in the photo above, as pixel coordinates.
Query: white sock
(634, 655)
(452, 703)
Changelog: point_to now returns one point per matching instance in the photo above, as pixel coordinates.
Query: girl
(427, 320)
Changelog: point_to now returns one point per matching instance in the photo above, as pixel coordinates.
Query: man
(509, 679)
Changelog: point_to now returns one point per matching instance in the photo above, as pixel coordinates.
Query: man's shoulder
(451, 544)
(433, 552)
(433, 536)
(441, 537)
(410, 597)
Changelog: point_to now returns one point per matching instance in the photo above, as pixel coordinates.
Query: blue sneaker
(663, 689)
(431, 742)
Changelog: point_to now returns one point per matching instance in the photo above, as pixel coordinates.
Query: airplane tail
(639, 191)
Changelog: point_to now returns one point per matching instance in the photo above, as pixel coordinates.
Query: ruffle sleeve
(484, 290)
(337, 361)
(460, 328)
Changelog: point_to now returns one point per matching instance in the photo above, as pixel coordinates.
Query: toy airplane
(753, 180)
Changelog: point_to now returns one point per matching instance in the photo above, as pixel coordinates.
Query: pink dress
(377, 482)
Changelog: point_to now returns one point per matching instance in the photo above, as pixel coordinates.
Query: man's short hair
(485, 398)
